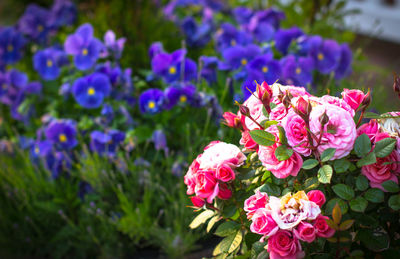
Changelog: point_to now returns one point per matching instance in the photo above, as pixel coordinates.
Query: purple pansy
(326, 56)
(228, 36)
(62, 134)
(155, 48)
(297, 71)
(263, 24)
(209, 68)
(11, 44)
(196, 35)
(242, 14)
(113, 45)
(90, 91)
(151, 101)
(178, 94)
(106, 143)
(47, 62)
(35, 23)
(239, 56)
(160, 141)
(344, 67)
(264, 68)
(63, 12)
(284, 37)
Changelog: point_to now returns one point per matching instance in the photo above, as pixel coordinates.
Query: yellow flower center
(151, 104)
(320, 56)
(62, 138)
(10, 48)
(172, 70)
(183, 99)
(265, 69)
(40, 28)
(298, 70)
(243, 61)
(37, 150)
(49, 63)
(233, 42)
(84, 52)
(91, 91)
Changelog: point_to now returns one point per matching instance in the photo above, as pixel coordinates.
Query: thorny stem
(360, 119)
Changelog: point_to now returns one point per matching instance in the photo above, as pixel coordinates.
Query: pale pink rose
(206, 185)
(309, 209)
(317, 196)
(225, 172)
(190, 177)
(263, 223)
(339, 133)
(371, 129)
(305, 232)
(211, 144)
(280, 169)
(224, 193)
(322, 228)
(353, 97)
(221, 153)
(284, 245)
(338, 102)
(197, 202)
(278, 113)
(254, 202)
(248, 142)
(256, 112)
(296, 133)
(294, 90)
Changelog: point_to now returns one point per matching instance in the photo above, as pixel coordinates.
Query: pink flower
(231, 120)
(225, 173)
(263, 223)
(305, 232)
(190, 176)
(317, 196)
(280, 169)
(197, 202)
(296, 133)
(284, 245)
(338, 102)
(278, 113)
(339, 133)
(256, 112)
(254, 202)
(224, 193)
(353, 97)
(247, 141)
(206, 185)
(371, 129)
(322, 228)
(220, 153)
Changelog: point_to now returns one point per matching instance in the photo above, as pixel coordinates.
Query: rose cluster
(211, 172)
(287, 220)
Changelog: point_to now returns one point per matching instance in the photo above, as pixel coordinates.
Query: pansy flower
(113, 45)
(344, 67)
(90, 91)
(47, 62)
(151, 101)
(326, 56)
(264, 68)
(106, 143)
(228, 36)
(209, 68)
(160, 141)
(177, 94)
(239, 56)
(263, 24)
(62, 134)
(242, 14)
(35, 23)
(11, 44)
(83, 46)
(63, 12)
(41, 149)
(297, 71)
(284, 37)
(196, 35)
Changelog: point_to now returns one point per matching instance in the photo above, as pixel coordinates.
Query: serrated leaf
(391, 186)
(341, 165)
(337, 214)
(327, 154)
(309, 164)
(283, 153)
(311, 183)
(374, 195)
(345, 225)
(226, 228)
(282, 135)
(325, 174)
(343, 191)
(384, 147)
(201, 218)
(394, 202)
(362, 145)
(359, 204)
(212, 222)
(362, 183)
(367, 160)
(262, 137)
(230, 243)
(270, 189)
(268, 124)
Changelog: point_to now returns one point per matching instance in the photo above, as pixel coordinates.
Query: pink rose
(322, 228)
(225, 173)
(284, 245)
(224, 193)
(317, 196)
(338, 102)
(371, 129)
(197, 202)
(247, 141)
(231, 119)
(206, 185)
(278, 113)
(296, 133)
(254, 202)
(353, 97)
(263, 223)
(280, 169)
(256, 112)
(294, 90)
(220, 153)
(190, 176)
(339, 133)
(305, 232)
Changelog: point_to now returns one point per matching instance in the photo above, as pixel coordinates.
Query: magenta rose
(353, 97)
(317, 196)
(254, 202)
(322, 228)
(224, 193)
(284, 245)
(206, 185)
(296, 133)
(305, 232)
(371, 129)
(231, 120)
(339, 132)
(190, 177)
(338, 102)
(280, 169)
(225, 173)
(263, 223)
(247, 141)
(197, 202)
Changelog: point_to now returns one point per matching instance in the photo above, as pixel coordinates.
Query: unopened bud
(231, 120)
(286, 100)
(324, 119)
(244, 110)
(366, 101)
(264, 93)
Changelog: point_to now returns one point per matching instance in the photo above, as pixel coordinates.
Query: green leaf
(201, 218)
(345, 225)
(264, 111)
(230, 243)
(394, 202)
(374, 195)
(262, 137)
(282, 135)
(342, 204)
(362, 183)
(359, 204)
(309, 164)
(362, 145)
(257, 248)
(268, 124)
(325, 174)
(311, 183)
(367, 160)
(227, 228)
(384, 147)
(391, 186)
(327, 154)
(270, 189)
(212, 222)
(229, 211)
(283, 153)
(341, 165)
(373, 239)
(343, 191)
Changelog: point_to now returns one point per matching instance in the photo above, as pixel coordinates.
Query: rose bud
(224, 193)
(197, 201)
(317, 196)
(324, 119)
(366, 101)
(303, 108)
(286, 100)
(244, 110)
(353, 97)
(231, 120)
